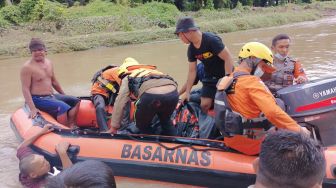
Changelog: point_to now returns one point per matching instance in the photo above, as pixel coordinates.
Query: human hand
(46, 129)
(305, 131)
(62, 147)
(33, 113)
(301, 79)
(183, 98)
(186, 97)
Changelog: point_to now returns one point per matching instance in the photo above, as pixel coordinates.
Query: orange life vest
(106, 82)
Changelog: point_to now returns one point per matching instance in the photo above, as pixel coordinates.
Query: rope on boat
(181, 145)
(39, 120)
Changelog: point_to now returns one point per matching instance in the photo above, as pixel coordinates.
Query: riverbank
(78, 34)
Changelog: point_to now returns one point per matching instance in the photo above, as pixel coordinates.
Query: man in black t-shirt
(208, 48)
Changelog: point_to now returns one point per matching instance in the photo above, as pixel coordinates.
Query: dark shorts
(56, 104)
(209, 88)
(208, 91)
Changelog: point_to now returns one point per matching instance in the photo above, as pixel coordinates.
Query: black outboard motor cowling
(313, 104)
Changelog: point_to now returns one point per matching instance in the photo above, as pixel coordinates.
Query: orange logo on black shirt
(205, 55)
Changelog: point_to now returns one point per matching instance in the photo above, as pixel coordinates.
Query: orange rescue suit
(251, 97)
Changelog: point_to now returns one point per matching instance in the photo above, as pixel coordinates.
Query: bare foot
(110, 131)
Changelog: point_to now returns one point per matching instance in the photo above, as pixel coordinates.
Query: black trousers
(99, 102)
(162, 105)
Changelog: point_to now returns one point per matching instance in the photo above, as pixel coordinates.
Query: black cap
(36, 44)
(185, 24)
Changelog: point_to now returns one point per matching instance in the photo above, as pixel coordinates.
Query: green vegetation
(102, 23)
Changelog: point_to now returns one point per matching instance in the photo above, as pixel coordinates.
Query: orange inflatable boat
(183, 160)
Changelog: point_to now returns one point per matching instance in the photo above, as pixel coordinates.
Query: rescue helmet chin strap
(252, 63)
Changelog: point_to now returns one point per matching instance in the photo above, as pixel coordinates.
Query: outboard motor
(313, 104)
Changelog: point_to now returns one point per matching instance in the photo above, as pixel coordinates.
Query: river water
(314, 43)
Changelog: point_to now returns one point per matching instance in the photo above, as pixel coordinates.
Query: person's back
(290, 160)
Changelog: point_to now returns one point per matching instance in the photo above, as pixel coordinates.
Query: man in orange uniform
(104, 90)
(288, 70)
(249, 96)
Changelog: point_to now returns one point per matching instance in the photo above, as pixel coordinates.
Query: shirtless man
(38, 80)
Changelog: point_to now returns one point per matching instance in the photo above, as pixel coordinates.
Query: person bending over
(155, 94)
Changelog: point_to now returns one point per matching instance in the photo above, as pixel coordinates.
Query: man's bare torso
(41, 77)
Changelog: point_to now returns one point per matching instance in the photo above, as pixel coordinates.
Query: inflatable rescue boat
(194, 161)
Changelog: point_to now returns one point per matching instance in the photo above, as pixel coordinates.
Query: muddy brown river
(314, 43)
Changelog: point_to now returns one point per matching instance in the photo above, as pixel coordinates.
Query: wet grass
(81, 31)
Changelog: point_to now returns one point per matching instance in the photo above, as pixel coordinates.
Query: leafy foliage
(11, 14)
(162, 14)
(3, 23)
(95, 8)
(49, 11)
(124, 15)
(26, 7)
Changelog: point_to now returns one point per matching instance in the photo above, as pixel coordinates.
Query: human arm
(199, 76)
(61, 149)
(191, 79)
(299, 74)
(182, 92)
(228, 62)
(119, 105)
(219, 49)
(46, 129)
(183, 89)
(26, 77)
(266, 104)
(56, 85)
